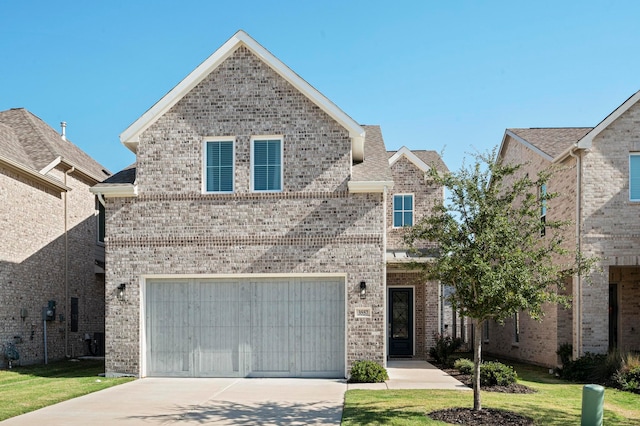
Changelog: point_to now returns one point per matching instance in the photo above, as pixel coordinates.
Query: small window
(634, 177)
(74, 314)
(101, 221)
(218, 166)
(266, 158)
(543, 209)
(516, 327)
(402, 210)
(485, 330)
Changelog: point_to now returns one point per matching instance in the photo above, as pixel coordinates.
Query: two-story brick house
(50, 248)
(598, 179)
(249, 238)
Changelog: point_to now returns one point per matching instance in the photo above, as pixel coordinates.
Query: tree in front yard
(495, 251)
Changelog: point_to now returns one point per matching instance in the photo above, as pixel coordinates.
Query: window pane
(397, 202)
(219, 167)
(397, 219)
(408, 219)
(266, 165)
(634, 177)
(408, 202)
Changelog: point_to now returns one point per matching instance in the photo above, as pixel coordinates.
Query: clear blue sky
(436, 75)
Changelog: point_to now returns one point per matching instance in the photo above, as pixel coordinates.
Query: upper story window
(218, 165)
(543, 209)
(634, 177)
(402, 210)
(266, 161)
(101, 222)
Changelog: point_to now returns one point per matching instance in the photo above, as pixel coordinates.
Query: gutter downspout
(577, 302)
(66, 265)
(384, 275)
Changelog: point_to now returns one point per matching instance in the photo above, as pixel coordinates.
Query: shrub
(497, 374)
(368, 372)
(565, 351)
(463, 365)
(629, 379)
(444, 348)
(588, 368)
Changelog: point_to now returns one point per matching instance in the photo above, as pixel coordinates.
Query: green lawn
(556, 403)
(25, 389)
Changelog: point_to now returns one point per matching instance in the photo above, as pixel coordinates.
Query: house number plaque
(363, 312)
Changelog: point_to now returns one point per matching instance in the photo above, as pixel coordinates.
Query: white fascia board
(115, 190)
(131, 136)
(525, 143)
(404, 151)
(368, 186)
(37, 176)
(50, 166)
(587, 140)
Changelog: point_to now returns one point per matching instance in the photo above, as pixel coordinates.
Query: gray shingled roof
(127, 175)
(430, 158)
(27, 140)
(375, 167)
(552, 141)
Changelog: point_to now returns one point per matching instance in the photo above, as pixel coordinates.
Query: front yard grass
(556, 402)
(25, 389)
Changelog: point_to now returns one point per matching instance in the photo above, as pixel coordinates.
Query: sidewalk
(413, 374)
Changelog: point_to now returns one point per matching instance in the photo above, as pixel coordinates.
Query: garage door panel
(236, 328)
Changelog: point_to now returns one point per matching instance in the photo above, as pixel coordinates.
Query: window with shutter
(266, 159)
(219, 166)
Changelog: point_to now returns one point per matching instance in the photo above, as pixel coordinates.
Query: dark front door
(400, 321)
(613, 316)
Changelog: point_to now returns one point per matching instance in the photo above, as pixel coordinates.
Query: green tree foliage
(492, 251)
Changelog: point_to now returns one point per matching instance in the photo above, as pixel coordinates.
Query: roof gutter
(115, 190)
(32, 173)
(358, 187)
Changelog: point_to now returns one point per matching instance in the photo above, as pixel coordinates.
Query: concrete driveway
(165, 401)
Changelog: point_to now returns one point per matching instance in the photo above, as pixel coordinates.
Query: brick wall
(32, 265)
(313, 226)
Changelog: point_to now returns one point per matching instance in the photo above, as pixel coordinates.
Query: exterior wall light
(363, 290)
(120, 293)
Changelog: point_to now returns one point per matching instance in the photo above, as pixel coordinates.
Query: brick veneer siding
(313, 226)
(426, 309)
(409, 179)
(610, 225)
(32, 265)
(539, 340)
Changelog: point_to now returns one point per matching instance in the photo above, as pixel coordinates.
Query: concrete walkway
(168, 401)
(413, 374)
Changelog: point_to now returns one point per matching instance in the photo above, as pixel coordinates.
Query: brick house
(598, 177)
(250, 236)
(49, 241)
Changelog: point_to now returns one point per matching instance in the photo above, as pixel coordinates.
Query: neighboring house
(598, 179)
(50, 249)
(249, 238)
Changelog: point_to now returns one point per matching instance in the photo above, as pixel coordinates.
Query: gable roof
(131, 136)
(423, 159)
(547, 142)
(27, 140)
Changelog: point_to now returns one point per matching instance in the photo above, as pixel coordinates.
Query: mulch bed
(467, 380)
(484, 417)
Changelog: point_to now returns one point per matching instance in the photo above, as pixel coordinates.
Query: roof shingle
(552, 141)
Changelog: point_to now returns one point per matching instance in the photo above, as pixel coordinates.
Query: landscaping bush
(444, 348)
(368, 372)
(588, 368)
(463, 365)
(565, 351)
(629, 380)
(495, 373)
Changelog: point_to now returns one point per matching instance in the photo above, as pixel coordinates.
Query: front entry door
(400, 322)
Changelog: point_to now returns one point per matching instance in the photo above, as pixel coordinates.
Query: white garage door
(289, 327)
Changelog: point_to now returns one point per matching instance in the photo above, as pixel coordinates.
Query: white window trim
(231, 139)
(413, 209)
(632, 154)
(262, 138)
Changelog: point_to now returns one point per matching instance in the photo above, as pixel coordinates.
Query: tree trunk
(477, 357)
